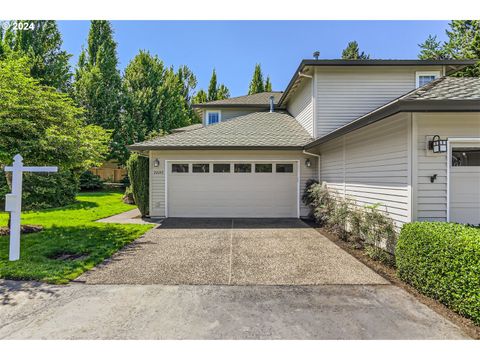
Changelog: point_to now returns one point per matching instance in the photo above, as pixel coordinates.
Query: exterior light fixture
(308, 163)
(156, 163)
(438, 145)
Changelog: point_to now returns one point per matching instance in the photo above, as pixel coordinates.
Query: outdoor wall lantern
(437, 145)
(156, 163)
(308, 163)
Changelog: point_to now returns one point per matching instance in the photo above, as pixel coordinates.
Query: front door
(465, 182)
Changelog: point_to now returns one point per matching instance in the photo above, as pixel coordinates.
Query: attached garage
(232, 188)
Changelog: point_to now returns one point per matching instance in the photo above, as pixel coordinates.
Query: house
(363, 127)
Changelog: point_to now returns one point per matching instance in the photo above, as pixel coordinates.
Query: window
(200, 168)
(213, 117)
(284, 168)
(424, 77)
(263, 168)
(179, 168)
(221, 168)
(242, 168)
(466, 157)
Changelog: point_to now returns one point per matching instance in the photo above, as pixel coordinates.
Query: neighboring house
(363, 127)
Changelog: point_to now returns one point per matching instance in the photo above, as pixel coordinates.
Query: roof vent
(316, 54)
(271, 103)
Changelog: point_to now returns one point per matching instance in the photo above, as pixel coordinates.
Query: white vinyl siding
(371, 166)
(344, 94)
(157, 174)
(301, 106)
(430, 199)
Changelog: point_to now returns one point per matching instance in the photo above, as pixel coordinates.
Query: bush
(442, 260)
(138, 173)
(90, 181)
(348, 220)
(42, 191)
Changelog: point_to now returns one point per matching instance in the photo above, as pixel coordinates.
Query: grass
(71, 229)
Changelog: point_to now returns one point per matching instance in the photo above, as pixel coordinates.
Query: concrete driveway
(232, 252)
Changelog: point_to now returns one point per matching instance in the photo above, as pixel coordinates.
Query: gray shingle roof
(448, 88)
(257, 130)
(188, 128)
(254, 100)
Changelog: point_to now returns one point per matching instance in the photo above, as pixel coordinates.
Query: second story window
(424, 77)
(213, 117)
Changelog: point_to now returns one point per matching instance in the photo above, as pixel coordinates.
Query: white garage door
(465, 184)
(232, 189)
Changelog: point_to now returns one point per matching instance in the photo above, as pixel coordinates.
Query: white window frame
(210, 112)
(425, 73)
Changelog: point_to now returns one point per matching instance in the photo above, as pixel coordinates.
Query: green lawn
(71, 229)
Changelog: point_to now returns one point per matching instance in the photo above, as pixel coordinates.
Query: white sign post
(13, 201)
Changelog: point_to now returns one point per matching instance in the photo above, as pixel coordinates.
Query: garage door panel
(232, 194)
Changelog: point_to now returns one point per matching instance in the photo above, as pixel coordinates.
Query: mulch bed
(24, 229)
(389, 273)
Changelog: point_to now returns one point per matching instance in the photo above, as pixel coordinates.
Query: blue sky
(233, 47)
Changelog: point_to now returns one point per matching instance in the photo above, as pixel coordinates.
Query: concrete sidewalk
(77, 311)
(130, 217)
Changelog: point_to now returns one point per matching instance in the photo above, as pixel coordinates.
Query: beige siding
(371, 166)
(344, 94)
(229, 113)
(301, 106)
(430, 199)
(157, 175)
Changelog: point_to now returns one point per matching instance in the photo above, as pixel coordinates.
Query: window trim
(180, 163)
(201, 163)
(284, 172)
(435, 73)
(222, 163)
(219, 112)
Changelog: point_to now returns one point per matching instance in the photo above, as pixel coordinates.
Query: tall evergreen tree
(212, 87)
(432, 49)
(268, 84)
(200, 97)
(352, 52)
(223, 92)
(463, 43)
(97, 79)
(42, 44)
(256, 84)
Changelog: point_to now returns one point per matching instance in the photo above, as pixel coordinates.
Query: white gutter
(318, 162)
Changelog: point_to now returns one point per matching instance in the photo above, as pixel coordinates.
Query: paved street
(78, 311)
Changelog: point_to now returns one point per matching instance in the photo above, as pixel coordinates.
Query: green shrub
(42, 191)
(138, 173)
(377, 228)
(380, 255)
(90, 181)
(442, 260)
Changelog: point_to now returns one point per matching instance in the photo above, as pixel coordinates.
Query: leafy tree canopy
(43, 125)
(352, 52)
(463, 43)
(215, 91)
(42, 45)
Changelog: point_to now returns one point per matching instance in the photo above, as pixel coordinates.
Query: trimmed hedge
(442, 260)
(138, 173)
